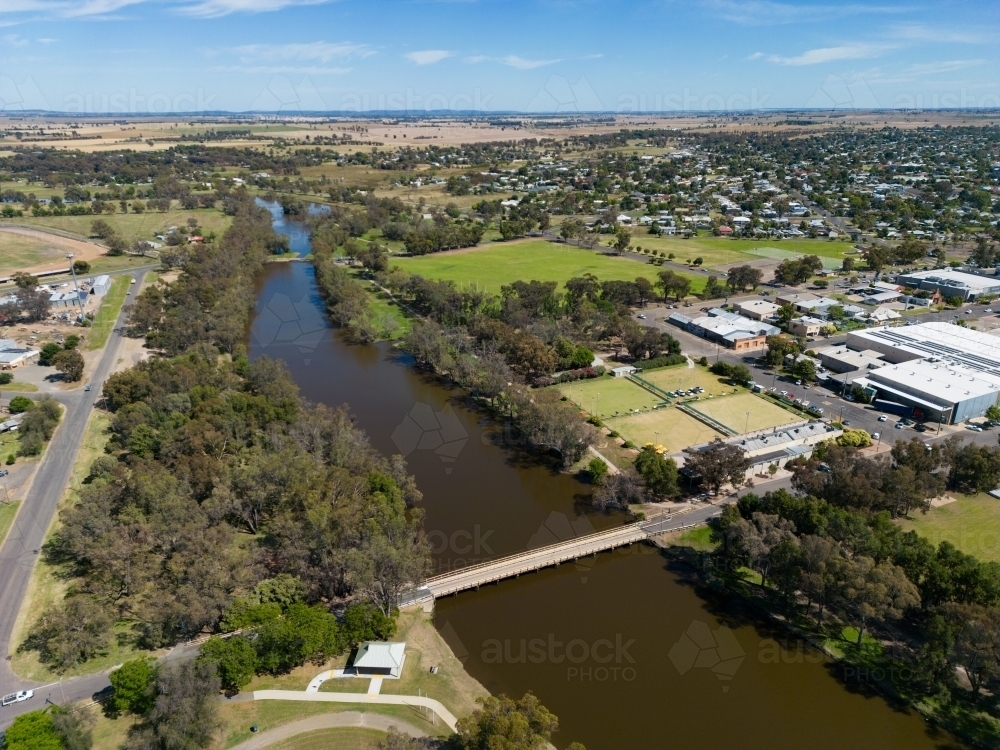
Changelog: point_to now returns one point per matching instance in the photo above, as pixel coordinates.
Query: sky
(491, 56)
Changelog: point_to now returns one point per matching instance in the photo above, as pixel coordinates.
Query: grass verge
(48, 582)
(104, 322)
(7, 513)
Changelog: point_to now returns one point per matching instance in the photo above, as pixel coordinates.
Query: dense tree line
(830, 548)
(217, 478)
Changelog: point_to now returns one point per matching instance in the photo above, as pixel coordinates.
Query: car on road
(987, 310)
(640, 316)
(86, 388)
(883, 418)
(21, 695)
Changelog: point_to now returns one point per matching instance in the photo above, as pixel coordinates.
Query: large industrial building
(951, 283)
(941, 371)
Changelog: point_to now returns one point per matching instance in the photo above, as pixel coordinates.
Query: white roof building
(380, 658)
(951, 283)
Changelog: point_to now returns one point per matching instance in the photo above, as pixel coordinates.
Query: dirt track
(81, 250)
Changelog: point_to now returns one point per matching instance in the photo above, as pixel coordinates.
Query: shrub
(597, 469)
(20, 404)
(132, 683)
(235, 660)
(6, 378)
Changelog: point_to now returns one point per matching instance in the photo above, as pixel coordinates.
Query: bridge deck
(553, 554)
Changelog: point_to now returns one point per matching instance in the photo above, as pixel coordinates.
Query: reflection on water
(620, 647)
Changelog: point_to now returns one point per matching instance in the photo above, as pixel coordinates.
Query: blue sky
(496, 55)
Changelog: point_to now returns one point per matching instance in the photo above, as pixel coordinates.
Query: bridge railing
(618, 530)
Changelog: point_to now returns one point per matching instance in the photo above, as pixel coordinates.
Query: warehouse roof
(937, 380)
(949, 277)
(944, 341)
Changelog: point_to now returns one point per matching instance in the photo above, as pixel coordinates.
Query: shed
(621, 372)
(101, 284)
(380, 658)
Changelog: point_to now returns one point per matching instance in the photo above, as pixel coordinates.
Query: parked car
(846, 423)
(876, 435)
(640, 316)
(974, 428)
(921, 428)
(3, 472)
(899, 425)
(883, 418)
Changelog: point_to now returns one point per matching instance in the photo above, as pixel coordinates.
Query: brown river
(626, 649)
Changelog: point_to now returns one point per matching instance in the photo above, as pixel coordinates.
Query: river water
(625, 649)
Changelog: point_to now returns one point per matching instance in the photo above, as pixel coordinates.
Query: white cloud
(13, 40)
(944, 66)
(825, 54)
(522, 64)
(769, 13)
(428, 56)
(918, 32)
(312, 52)
(65, 8)
(475, 59)
(217, 8)
(46, 40)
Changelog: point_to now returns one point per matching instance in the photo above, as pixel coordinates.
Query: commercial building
(728, 329)
(757, 309)
(66, 299)
(12, 355)
(937, 391)
(941, 371)
(805, 326)
(841, 359)
(951, 283)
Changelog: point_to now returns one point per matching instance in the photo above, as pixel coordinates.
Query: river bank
(484, 496)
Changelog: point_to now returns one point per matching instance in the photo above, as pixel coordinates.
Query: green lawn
(134, 226)
(493, 265)
(607, 397)
(669, 427)
(971, 523)
(718, 251)
(685, 378)
(345, 738)
(732, 412)
(19, 387)
(106, 316)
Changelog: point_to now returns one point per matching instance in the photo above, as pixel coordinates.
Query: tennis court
(669, 427)
(745, 412)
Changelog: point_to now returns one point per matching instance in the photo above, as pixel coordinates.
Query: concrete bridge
(512, 566)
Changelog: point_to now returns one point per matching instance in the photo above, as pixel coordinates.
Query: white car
(17, 697)
(975, 428)
(640, 316)
(876, 435)
(883, 418)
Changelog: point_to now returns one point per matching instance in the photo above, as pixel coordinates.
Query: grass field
(684, 377)
(971, 523)
(17, 252)
(732, 412)
(106, 316)
(491, 266)
(719, 251)
(610, 396)
(676, 430)
(134, 226)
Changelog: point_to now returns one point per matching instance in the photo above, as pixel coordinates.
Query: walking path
(327, 721)
(612, 469)
(369, 699)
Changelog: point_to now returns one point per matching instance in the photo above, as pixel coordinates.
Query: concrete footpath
(328, 721)
(368, 699)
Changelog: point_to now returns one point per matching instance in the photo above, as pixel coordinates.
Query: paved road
(23, 544)
(328, 721)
